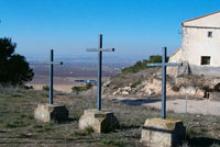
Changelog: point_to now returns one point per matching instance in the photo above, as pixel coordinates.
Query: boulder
(127, 88)
(192, 91)
(125, 93)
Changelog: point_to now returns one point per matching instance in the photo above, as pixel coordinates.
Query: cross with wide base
(164, 66)
(101, 121)
(100, 50)
(50, 111)
(163, 132)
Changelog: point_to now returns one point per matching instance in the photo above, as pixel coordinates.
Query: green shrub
(78, 89)
(141, 65)
(155, 59)
(45, 88)
(89, 130)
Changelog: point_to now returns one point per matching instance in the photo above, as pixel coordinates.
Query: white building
(200, 44)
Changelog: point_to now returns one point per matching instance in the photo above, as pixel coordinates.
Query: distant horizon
(136, 28)
(107, 59)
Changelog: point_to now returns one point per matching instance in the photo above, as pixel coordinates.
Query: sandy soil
(62, 84)
(59, 87)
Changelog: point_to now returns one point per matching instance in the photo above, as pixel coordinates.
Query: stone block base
(51, 112)
(162, 133)
(99, 121)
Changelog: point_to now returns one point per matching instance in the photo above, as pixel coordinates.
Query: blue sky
(136, 28)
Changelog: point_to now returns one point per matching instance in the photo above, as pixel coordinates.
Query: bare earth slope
(186, 94)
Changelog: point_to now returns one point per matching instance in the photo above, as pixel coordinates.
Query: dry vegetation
(18, 127)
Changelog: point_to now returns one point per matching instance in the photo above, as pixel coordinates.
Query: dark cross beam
(51, 75)
(164, 66)
(99, 78)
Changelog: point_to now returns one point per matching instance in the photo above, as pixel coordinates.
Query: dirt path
(205, 107)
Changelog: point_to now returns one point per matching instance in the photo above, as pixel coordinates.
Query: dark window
(209, 34)
(205, 60)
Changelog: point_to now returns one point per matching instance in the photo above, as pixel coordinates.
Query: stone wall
(205, 70)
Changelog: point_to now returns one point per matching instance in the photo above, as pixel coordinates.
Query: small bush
(176, 88)
(89, 130)
(78, 89)
(28, 87)
(45, 88)
(217, 87)
(155, 59)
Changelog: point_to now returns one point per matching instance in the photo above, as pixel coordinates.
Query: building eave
(196, 18)
(200, 27)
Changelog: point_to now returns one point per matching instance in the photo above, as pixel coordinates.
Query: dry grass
(18, 127)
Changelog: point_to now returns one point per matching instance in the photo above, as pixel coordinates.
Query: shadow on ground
(203, 142)
(135, 102)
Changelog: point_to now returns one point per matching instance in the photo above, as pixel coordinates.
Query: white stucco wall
(196, 43)
(177, 56)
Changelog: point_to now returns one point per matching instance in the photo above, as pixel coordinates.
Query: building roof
(211, 20)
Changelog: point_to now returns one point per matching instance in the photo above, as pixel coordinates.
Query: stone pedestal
(158, 132)
(99, 121)
(51, 112)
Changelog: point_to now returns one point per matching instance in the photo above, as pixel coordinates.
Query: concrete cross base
(159, 132)
(99, 121)
(51, 112)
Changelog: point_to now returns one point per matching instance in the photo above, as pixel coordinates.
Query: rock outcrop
(148, 83)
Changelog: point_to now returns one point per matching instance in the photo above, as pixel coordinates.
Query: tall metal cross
(164, 66)
(50, 98)
(51, 75)
(100, 50)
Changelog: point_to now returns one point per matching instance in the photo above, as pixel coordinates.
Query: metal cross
(99, 78)
(164, 66)
(51, 75)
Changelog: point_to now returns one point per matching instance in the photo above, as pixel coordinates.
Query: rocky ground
(185, 94)
(147, 83)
